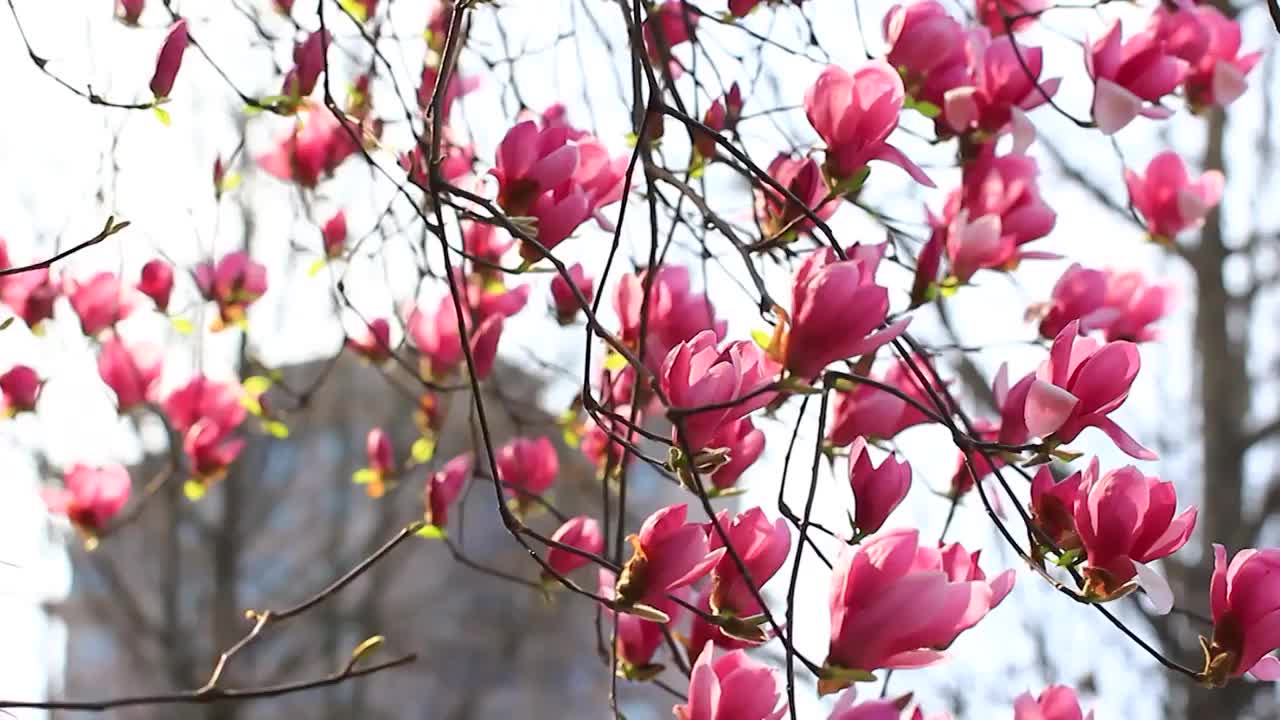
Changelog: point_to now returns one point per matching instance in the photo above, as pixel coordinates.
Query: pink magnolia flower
(638, 639)
(779, 216)
(927, 46)
(1245, 599)
(379, 453)
(675, 312)
(316, 145)
(202, 398)
(890, 609)
(836, 312)
(20, 386)
(1121, 304)
(854, 113)
(436, 335)
(669, 553)
(876, 490)
(556, 213)
(92, 497)
(1123, 518)
(740, 8)
(334, 234)
(531, 161)
(455, 163)
(458, 86)
(734, 687)
(1056, 702)
(1210, 42)
(879, 709)
(581, 532)
(867, 411)
(1130, 77)
(998, 86)
(556, 115)
(668, 25)
(1168, 199)
(234, 283)
(960, 565)
(374, 342)
(702, 631)
(696, 373)
(309, 62)
(210, 449)
(484, 345)
(528, 467)
(762, 546)
(1053, 504)
(169, 59)
(566, 304)
(601, 176)
(156, 282)
(443, 487)
(598, 441)
(744, 442)
(130, 10)
(1078, 386)
(482, 242)
(1021, 14)
(130, 372)
(30, 295)
(100, 302)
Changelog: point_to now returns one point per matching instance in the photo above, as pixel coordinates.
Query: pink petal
(1113, 106)
(1048, 407)
(1123, 440)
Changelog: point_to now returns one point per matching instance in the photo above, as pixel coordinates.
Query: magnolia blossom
(130, 10)
(1123, 305)
(234, 283)
(130, 372)
(581, 532)
(379, 453)
(1168, 199)
(669, 24)
(722, 115)
(865, 410)
(202, 397)
(1001, 16)
(443, 487)
(894, 604)
(101, 301)
(733, 687)
(780, 216)
(437, 336)
(638, 640)
(565, 302)
(156, 282)
(373, 343)
(744, 443)
(998, 87)
(854, 113)
(697, 374)
(169, 59)
(30, 295)
(21, 387)
(927, 46)
(1078, 386)
(1210, 42)
(528, 468)
(316, 145)
(876, 490)
(334, 234)
(597, 438)
(836, 312)
(669, 553)
(309, 62)
(1056, 702)
(675, 313)
(761, 546)
(1130, 77)
(458, 86)
(1245, 600)
(1053, 504)
(92, 496)
(1123, 518)
(483, 243)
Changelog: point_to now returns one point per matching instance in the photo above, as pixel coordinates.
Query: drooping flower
(234, 283)
(21, 387)
(169, 59)
(334, 235)
(1210, 42)
(876, 490)
(1168, 199)
(998, 86)
(744, 443)
(836, 312)
(927, 47)
(92, 496)
(374, 342)
(528, 468)
(865, 410)
(100, 302)
(762, 547)
(130, 372)
(566, 304)
(1125, 517)
(855, 113)
(313, 148)
(1130, 77)
(668, 553)
(581, 532)
(733, 687)
(779, 216)
(156, 282)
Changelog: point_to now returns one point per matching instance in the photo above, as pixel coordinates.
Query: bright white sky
(52, 165)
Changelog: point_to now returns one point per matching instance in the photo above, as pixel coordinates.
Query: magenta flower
(379, 453)
(202, 398)
(1020, 13)
(1131, 77)
(556, 213)
(443, 488)
(580, 532)
(1056, 702)
(309, 62)
(130, 372)
(92, 497)
(733, 687)
(675, 312)
(1168, 199)
(30, 295)
(531, 161)
(374, 342)
(101, 302)
(1245, 599)
(1210, 42)
(668, 25)
(762, 546)
(927, 46)
(867, 411)
(744, 442)
(562, 297)
(669, 553)
(482, 242)
(697, 374)
(130, 10)
(876, 490)
(20, 386)
(528, 467)
(334, 235)
(854, 113)
(156, 282)
(780, 217)
(836, 313)
(458, 86)
(234, 283)
(316, 145)
(998, 86)
(169, 60)
(1121, 304)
